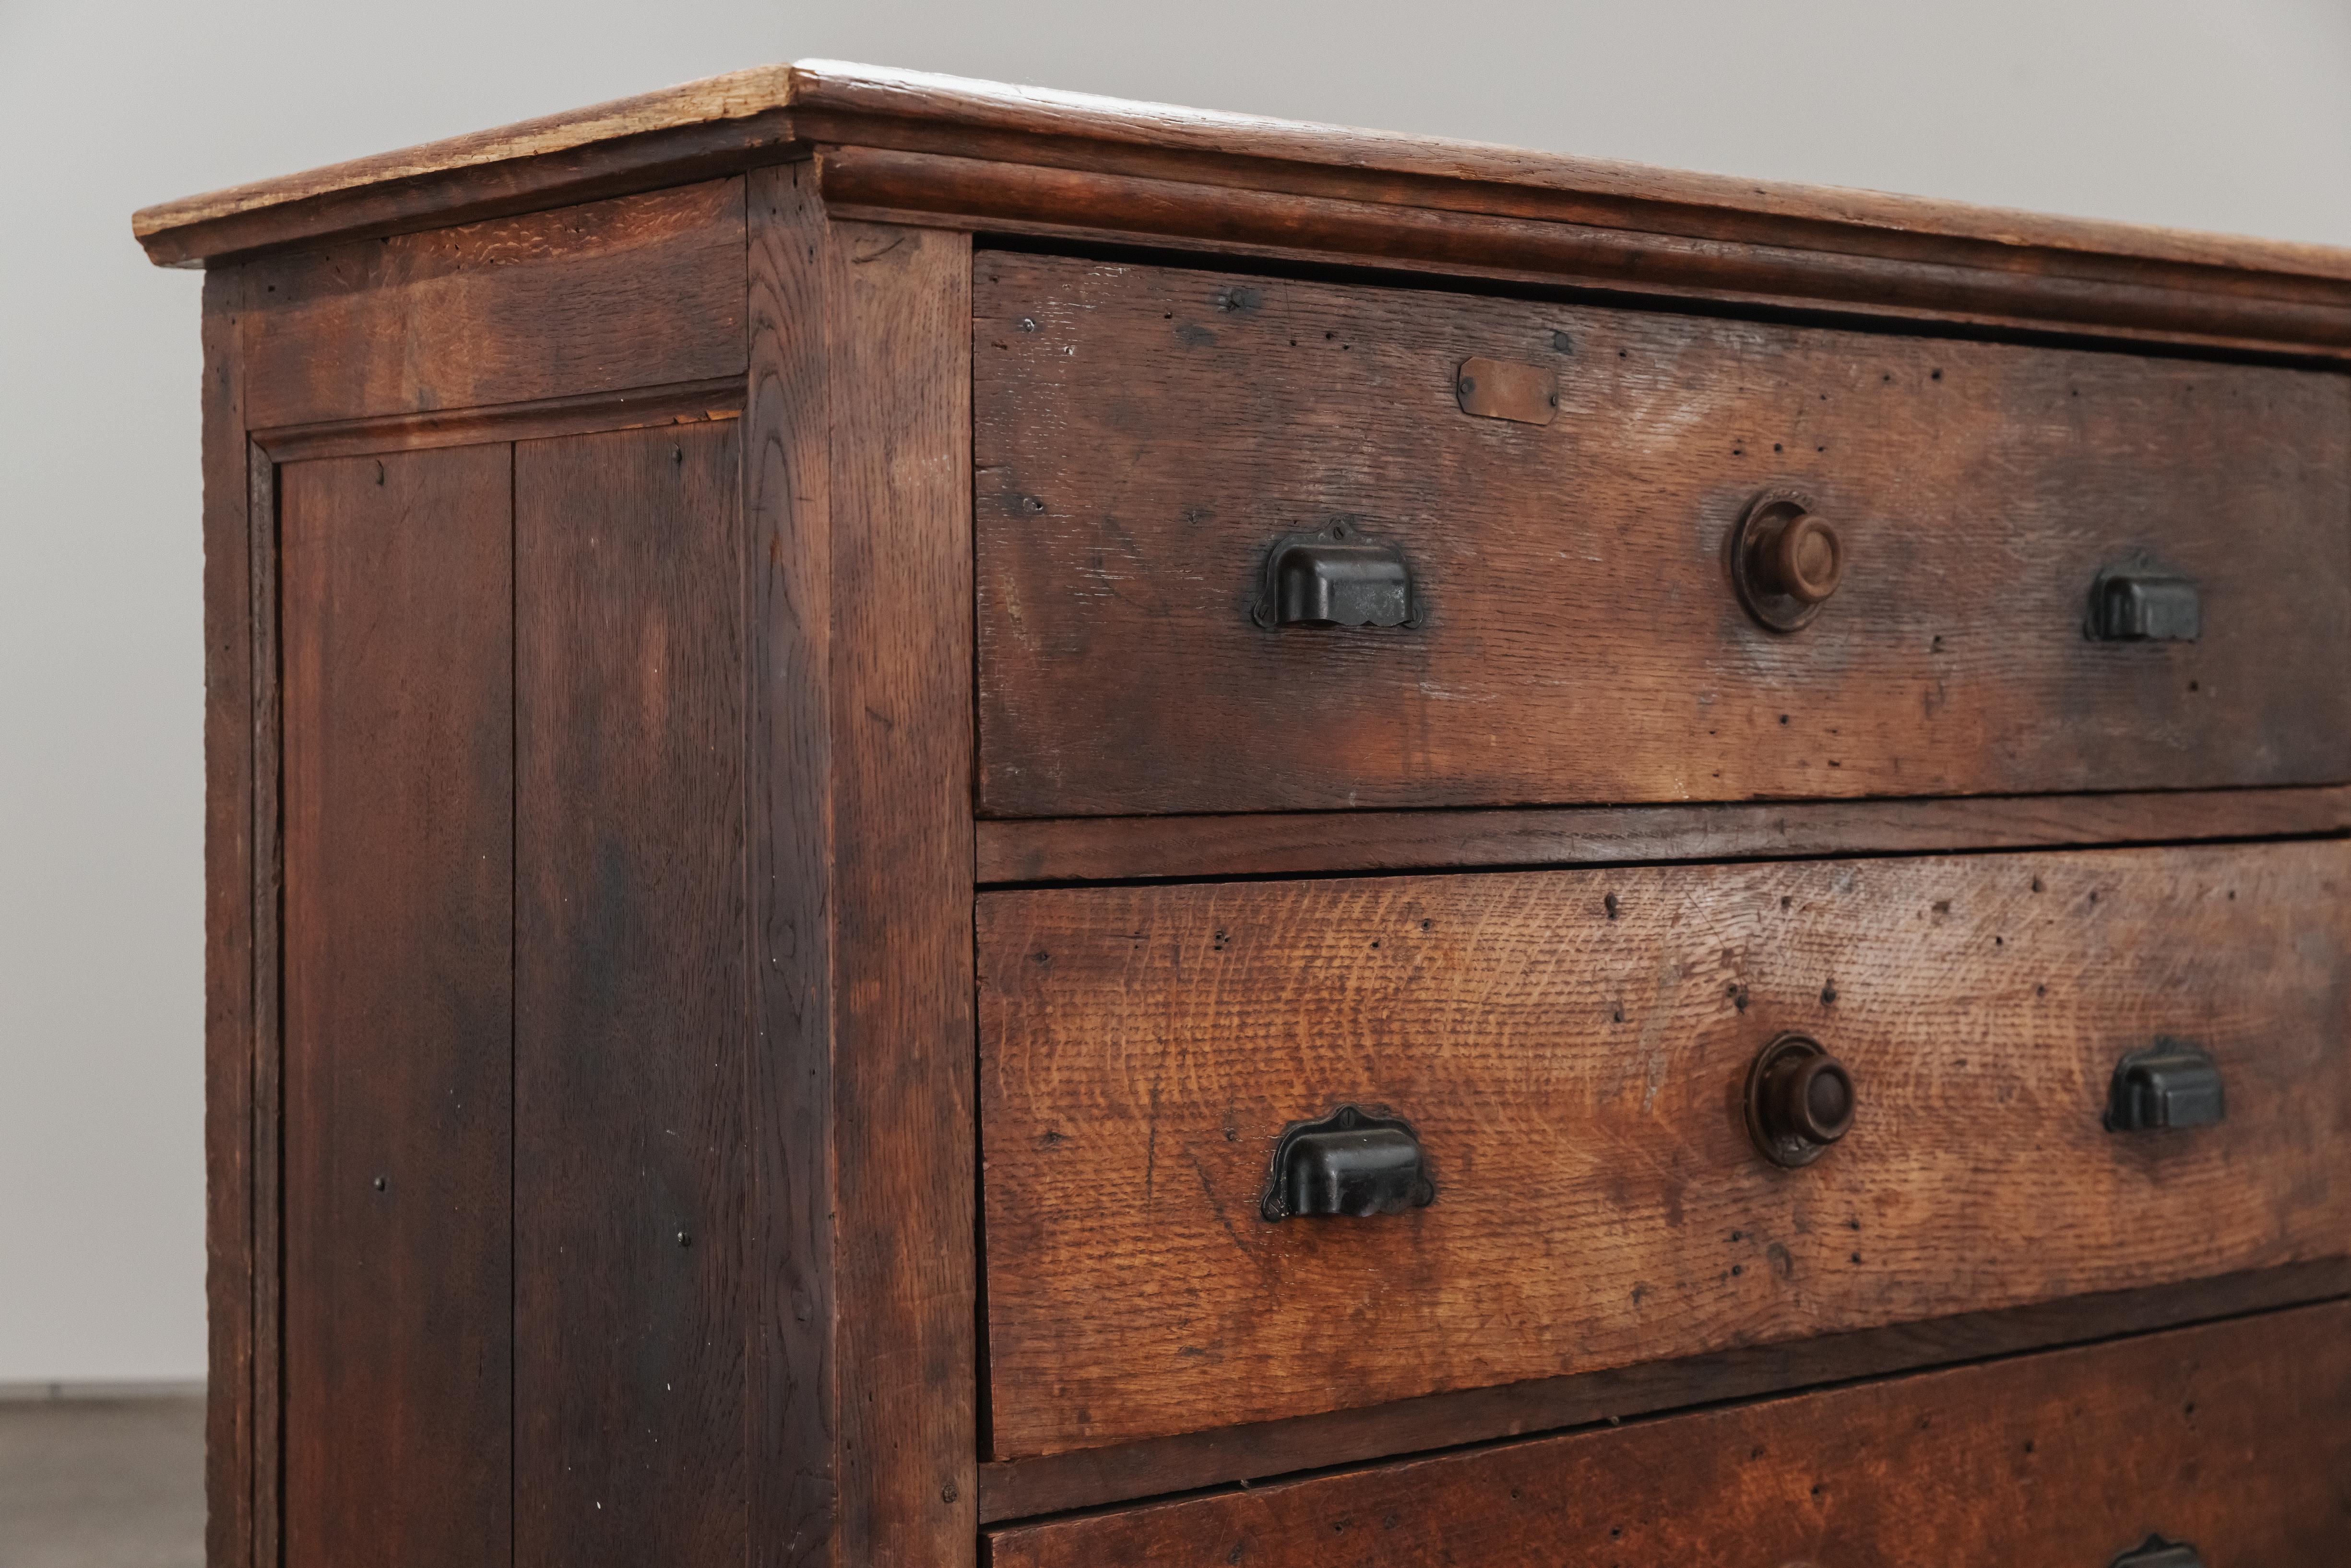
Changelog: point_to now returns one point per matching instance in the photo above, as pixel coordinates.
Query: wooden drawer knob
(1800, 1101)
(1785, 559)
(1801, 558)
(2158, 1552)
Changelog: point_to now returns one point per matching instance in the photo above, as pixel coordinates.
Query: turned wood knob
(1800, 1101)
(1800, 556)
(1784, 559)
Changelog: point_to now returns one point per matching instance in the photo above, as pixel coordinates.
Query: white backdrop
(2191, 114)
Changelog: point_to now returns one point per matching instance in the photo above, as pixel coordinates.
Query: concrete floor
(102, 1482)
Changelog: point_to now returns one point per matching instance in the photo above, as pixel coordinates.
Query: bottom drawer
(2234, 1438)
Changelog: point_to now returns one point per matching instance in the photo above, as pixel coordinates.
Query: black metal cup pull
(1349, 1162)
(1334, 577)
(2138, 601)
(2171, 1083)
(2158, 1552)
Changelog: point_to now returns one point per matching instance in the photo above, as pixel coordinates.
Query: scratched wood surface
(2234, 1438)
(1571, 1046)
(1141, 434)
(399, 1351)
(630, 1148)
(641, 291)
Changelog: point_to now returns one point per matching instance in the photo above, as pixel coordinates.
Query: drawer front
(2234, 1438)
(1572, 1051)
(1143, 434)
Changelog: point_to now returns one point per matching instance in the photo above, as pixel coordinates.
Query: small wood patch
(1496, 389)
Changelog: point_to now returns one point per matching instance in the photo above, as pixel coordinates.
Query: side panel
(398, 1008)
(629, 1139)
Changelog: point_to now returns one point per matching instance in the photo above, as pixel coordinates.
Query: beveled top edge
(849, 92)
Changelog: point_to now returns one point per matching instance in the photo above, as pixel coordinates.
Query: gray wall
(2234, 116)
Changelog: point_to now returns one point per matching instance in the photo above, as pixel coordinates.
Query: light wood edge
(1022, 1491)
(635, 408)
(1119, 849)
(853, 92)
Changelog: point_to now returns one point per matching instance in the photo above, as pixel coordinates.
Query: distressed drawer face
(2234, 1438)
(1142, 436)
(1570, 1049)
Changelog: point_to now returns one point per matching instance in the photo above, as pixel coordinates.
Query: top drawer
(1143, 434)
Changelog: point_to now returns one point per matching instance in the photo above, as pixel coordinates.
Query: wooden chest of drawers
(949, 824)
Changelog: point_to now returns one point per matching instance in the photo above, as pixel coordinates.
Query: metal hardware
(2158, 1552)
(1784, 560)
(1334, 577)
(1496, 389)
(2171, 1083)
(1800, 1101)
(1350, 1163)
(2138, 601)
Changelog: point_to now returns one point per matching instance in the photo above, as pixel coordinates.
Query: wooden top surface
(832, 88)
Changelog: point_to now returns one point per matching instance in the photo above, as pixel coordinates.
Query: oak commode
(950, 823)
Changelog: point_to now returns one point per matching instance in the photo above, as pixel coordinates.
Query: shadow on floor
(102, 1483)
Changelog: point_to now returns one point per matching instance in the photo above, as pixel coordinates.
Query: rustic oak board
(863, 1404)
(1142, 434)
(2234, 1437)
(399, 1353)
(1089, 1478)
(630, 1157)
(1112, 848)
(639, 291)
(1572, 1047)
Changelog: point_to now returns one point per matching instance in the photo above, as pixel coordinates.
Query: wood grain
(864, 1422)
(638, 291)
(229, 888)
(268, 1082)
(2234, 1437)
(1113, 849)
(630, 1157)
(1091, 1477)
(1146, 433)
(399, 1005)
(1412, 231)
(1572, 1047)
(539, 419)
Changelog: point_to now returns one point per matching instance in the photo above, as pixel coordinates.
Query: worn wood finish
(229, 1039)
(632, 408)
(1572, 1047)
(976, 155)
(638, 291)
(268, 1055)
(2234, 1437)
(630, 1157)
(1391, 229)
(399, 1007)
(1116, 849)
(1091, 1477)
(1149, 430)
(864, 1418)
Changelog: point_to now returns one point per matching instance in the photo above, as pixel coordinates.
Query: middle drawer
(1572, 1051)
